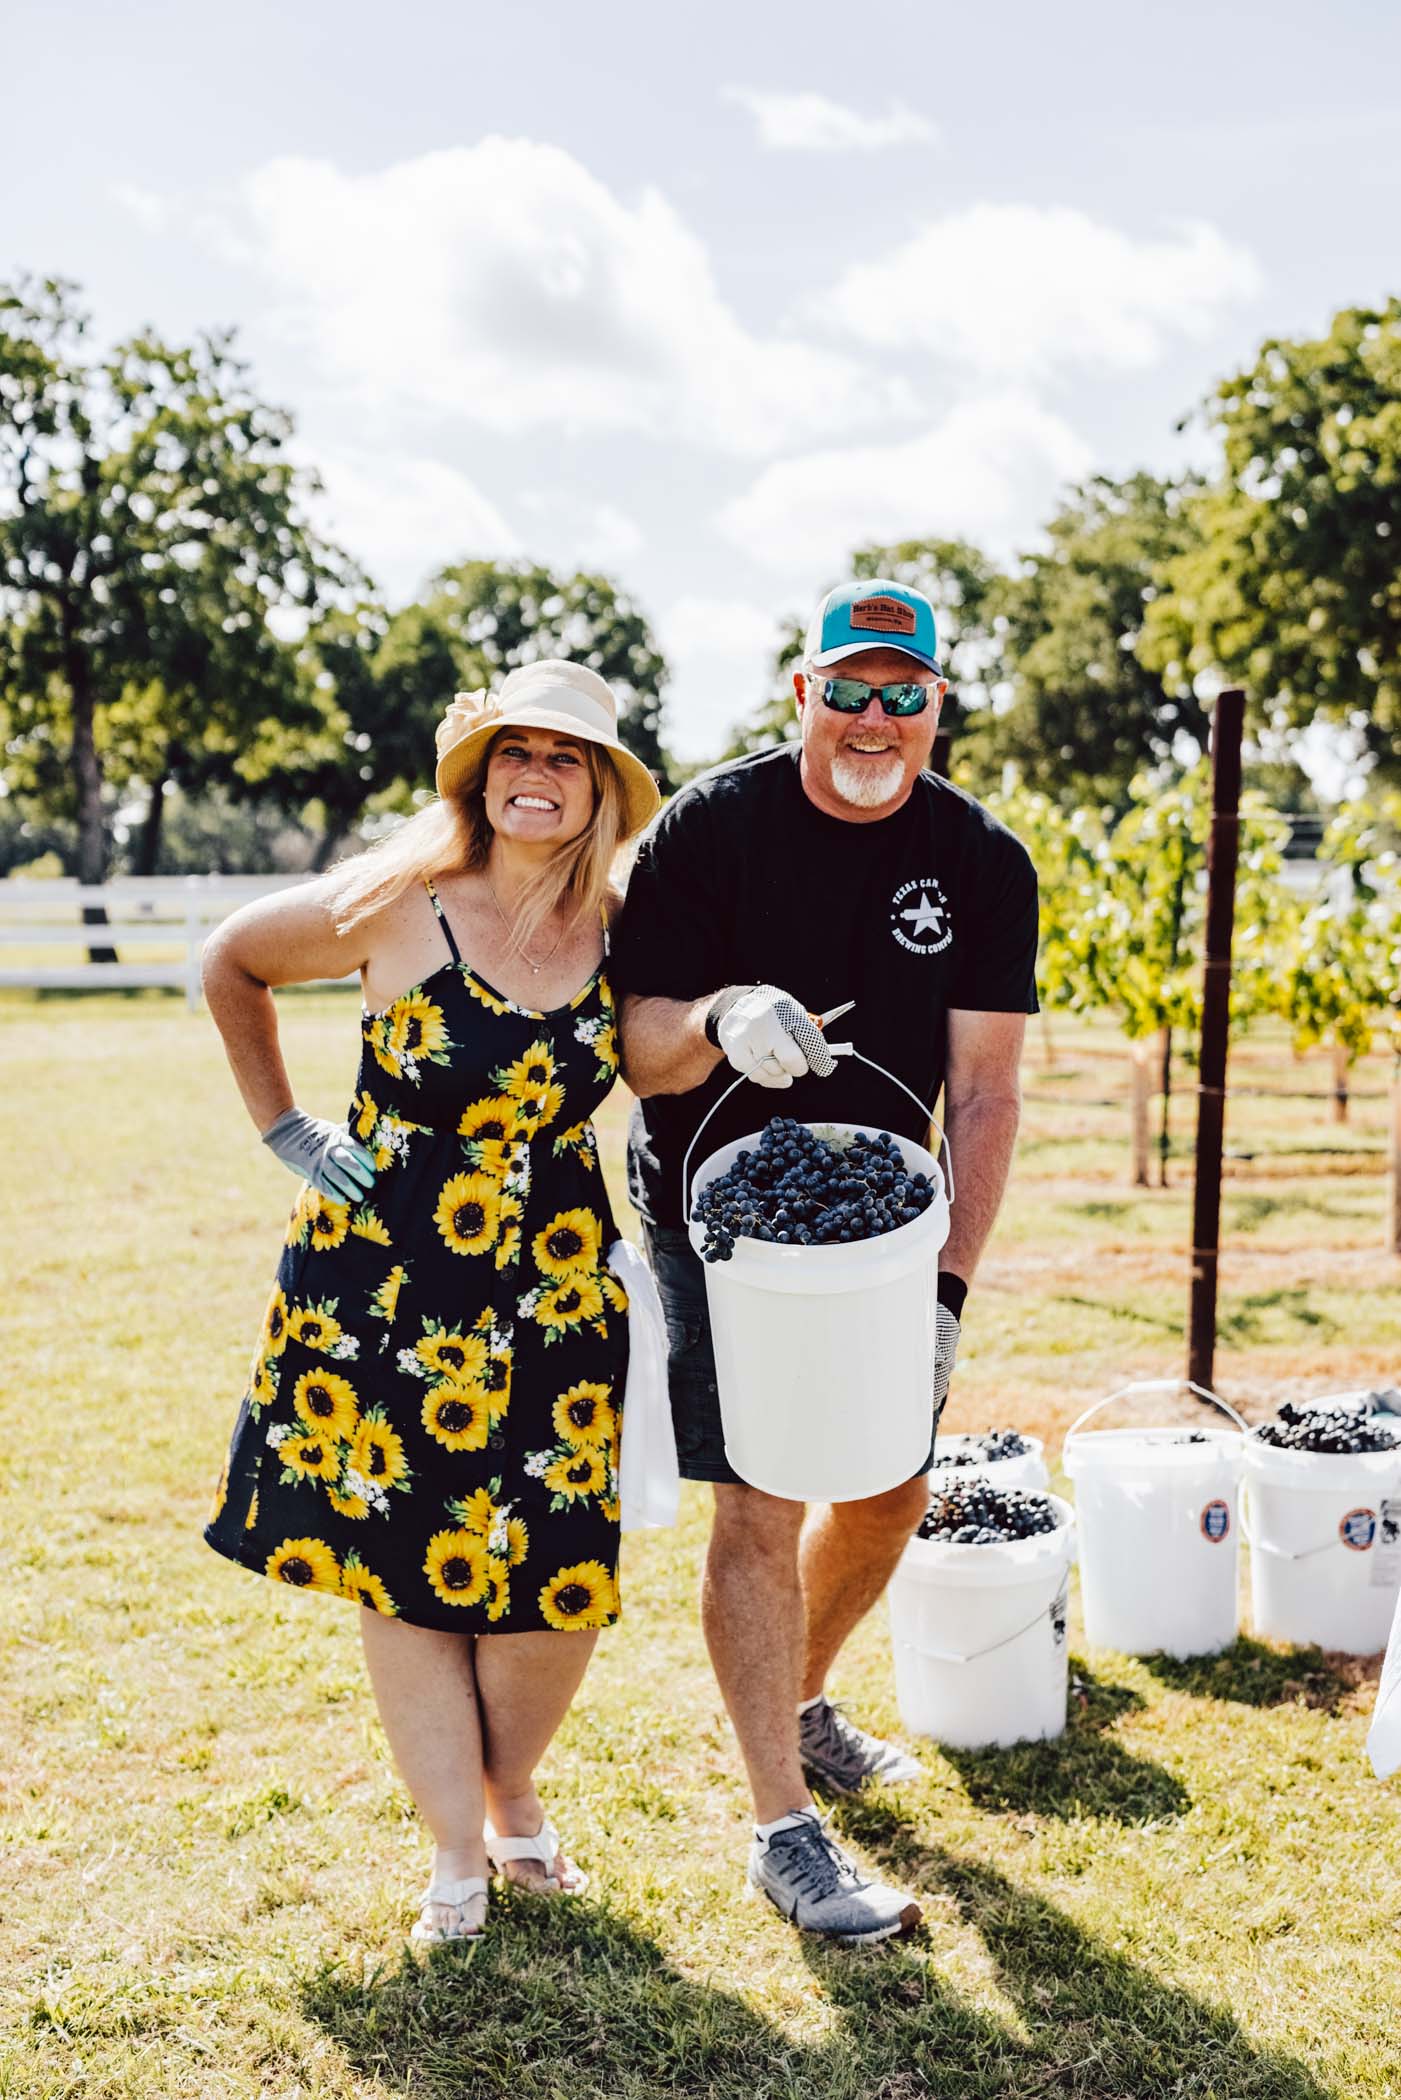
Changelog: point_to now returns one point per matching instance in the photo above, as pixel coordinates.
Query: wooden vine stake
(1228, 718)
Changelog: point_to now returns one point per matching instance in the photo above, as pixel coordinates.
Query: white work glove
(770, 1038)
(325, 1154)
(946, 1334)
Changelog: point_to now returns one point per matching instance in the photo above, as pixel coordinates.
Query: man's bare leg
(847, 1555)
(752, 1612)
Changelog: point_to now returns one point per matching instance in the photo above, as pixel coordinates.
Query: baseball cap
(873, 615)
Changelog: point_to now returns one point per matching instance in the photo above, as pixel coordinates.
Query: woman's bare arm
(287, 938)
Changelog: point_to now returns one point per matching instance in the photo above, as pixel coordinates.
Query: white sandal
(544, 1848)
(452, 1895)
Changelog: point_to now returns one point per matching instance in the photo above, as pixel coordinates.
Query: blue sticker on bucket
(1358, 1529)
(1216, 1521)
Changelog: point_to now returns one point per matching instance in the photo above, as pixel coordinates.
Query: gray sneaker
(840, 1757)
(806, 1875)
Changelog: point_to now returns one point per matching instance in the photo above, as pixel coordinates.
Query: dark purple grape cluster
(982, 1450)
(973, 1513)
(796, 1188)
(1343, 1430)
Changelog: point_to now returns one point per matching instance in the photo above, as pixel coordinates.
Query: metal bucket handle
(837, 1050)
(1057, 1605)
(1151, 1385)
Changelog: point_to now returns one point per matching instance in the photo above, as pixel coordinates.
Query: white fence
(157, 926)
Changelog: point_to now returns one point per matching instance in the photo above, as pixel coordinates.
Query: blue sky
(707, 297)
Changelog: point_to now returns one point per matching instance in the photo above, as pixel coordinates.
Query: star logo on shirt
(919, 917)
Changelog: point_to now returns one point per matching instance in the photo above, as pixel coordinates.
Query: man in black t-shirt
(834, 869)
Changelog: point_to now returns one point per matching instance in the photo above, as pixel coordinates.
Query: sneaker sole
(909, 1918)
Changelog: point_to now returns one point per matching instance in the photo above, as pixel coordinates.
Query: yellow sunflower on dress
(468, 1213)
(460, 1356)
(611, 1507)
(385, 1300)
(220, 1492)
(612, 1290)
(327, 1403)
(416, 1027)
(530, 1074)
(252, 1517)
(368, 1225)
(362, 1587)
(301, 1212)
(313, 1327)
(456, 1566)
(577, 1473)
(457, 1416)
(379, 1044)
(498, 1588)
(378, 1452)
(475, 1512)
(307, 1564)
(328, 1222)
(496, 1383)
(488, 998)
(367, 1115)
(489, 1129)
(517, 1541)
(540, 1106)
(568, 1245)
(508, 1246)
(605, 1047)
(347, 1505)
(310, 1456)
(584, 1415)
(275, 1325)
(569, 1303)
(579, 1597)
(262, 1383)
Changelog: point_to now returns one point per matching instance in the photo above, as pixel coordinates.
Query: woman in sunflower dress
(432, 1422)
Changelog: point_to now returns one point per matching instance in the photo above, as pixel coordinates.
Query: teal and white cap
(874, 615)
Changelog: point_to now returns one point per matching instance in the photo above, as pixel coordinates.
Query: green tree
(150, 520)
(1079, 714)
(1293, 588)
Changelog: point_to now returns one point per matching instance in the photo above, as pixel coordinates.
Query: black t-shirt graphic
(742, 880)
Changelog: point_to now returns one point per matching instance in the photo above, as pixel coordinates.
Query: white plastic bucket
(1028, 1471)
(824, 1356)
(979, 1637)
(1325, 1545)
(1159, 1531)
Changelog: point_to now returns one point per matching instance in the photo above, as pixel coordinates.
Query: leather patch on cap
(883, 615)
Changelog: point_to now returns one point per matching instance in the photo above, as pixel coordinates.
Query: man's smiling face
(862, 767)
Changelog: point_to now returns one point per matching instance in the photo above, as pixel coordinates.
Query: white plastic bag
(649, 1482)
(1384, 1735)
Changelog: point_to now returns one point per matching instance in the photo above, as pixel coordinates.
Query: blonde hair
(454, 834)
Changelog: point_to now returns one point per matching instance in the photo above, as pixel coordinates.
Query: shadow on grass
(1085, 1772)
(1114, 1311)
(1244, 1320)
(1250, 1674)
(1099, 2027)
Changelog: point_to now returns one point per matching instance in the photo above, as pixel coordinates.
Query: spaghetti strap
(607, 944)
(443, 919)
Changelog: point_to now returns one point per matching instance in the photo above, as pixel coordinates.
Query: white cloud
(404, 518)
(809, 123)
(1018, 289)
(503, 284)
(720, 651)
(569, 530)
(989, 471)
(151, 212)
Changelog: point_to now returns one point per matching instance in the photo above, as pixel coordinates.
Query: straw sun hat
(552, 694)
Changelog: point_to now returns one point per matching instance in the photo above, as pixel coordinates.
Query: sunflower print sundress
(433, 1416)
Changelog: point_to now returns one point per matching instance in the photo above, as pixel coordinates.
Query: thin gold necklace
(536, 967)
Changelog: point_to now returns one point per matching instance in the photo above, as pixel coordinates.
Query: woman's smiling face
(539, 791)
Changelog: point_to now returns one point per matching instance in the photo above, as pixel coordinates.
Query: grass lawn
(209, 1867)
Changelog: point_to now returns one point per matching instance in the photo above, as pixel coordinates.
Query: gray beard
(865, 783)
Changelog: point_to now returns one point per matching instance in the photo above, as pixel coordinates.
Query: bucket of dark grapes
(1159, 1528)
(1003, 1456)
(821, 1246)
(1323, 1480)
(978, 1610)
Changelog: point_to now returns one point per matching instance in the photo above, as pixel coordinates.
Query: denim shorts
(695, 1400)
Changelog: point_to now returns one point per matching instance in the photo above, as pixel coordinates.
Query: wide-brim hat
(551, 694)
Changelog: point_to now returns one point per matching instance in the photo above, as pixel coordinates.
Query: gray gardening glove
(322, 1153)
(773, 1040)
(946, 1334)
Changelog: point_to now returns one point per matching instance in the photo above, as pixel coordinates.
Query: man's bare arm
(982, 1108)
(663, 1044)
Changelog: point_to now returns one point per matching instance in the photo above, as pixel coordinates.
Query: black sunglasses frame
(826, 686)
